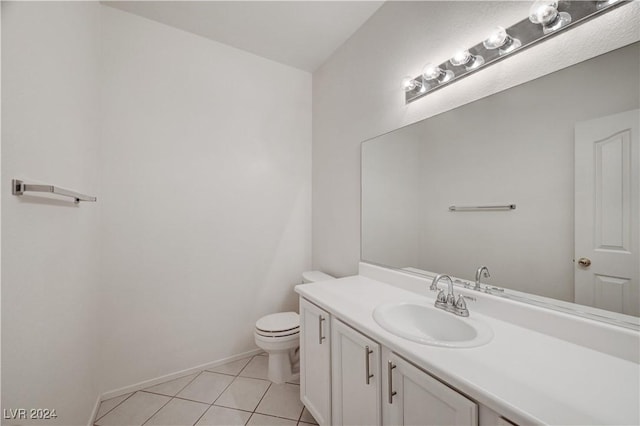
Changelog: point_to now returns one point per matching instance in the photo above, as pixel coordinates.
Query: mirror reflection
(564, 149)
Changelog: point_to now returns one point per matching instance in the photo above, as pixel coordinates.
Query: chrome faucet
(479, 276)
(448, 302)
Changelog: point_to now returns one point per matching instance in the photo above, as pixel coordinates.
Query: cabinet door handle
(320, 336)
(390, 368)
(367, 370)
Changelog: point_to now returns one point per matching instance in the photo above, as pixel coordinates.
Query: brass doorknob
(583, 261)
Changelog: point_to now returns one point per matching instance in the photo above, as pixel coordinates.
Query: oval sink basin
(428, 325)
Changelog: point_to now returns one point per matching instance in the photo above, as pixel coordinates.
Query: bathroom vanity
(537, 366)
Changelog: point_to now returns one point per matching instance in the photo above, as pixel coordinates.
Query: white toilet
(279, 336)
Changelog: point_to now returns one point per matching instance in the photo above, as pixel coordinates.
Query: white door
(412, 397)
(607, 213)
(355, 381)
(315, 361)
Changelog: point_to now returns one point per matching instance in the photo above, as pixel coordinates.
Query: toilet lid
(282, 321)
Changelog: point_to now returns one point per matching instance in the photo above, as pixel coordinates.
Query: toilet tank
(315, 276)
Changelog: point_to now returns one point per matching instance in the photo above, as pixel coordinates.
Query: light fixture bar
(526, 32)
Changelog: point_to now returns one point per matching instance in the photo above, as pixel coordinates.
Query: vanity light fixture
(435, 74)
(545, 13)
(546, 19)
(501, 40)
(464, 57)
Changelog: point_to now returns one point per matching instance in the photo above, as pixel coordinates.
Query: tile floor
(237, 393)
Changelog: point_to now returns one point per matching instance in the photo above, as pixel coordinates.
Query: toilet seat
(289, 341)
(278, 335)
(282, 324)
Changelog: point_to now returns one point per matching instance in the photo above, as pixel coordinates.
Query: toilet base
(279, 367)
(284, 356)
(284, 365)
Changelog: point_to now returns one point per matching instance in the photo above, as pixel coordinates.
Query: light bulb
(432, 72)
(410, 84)
(500, 39)
(464, 57)
(496, 39)
(461, 57)
(545, 13)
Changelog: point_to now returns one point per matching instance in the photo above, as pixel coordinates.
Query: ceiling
(302, 34)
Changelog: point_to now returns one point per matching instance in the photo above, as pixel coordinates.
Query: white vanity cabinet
(355, 381)
(315, 361)
(346, 378)
(412, 397)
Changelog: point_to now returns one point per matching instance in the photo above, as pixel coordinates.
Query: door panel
(607, 213)
(356, 377)
(315, 361)
(413, 397)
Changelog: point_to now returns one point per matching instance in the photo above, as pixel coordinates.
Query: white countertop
(524, 375)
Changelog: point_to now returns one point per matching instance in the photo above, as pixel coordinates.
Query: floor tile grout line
(116, 406)
(190, 381)
(146, 390)
(228, 374)
(223, 391)
(163, 405)
(217, 372)
(245, 366)
(277, 417)
(179, 397)
(231, 408)
(202, 415)
(251, 377)
(263, 395)
(271, 415)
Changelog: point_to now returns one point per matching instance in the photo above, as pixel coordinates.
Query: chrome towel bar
(479, 208)
(18, 187)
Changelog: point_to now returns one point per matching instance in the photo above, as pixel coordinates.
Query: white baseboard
(94, 413)
(152, 382)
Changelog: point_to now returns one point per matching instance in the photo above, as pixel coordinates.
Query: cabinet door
(315, 361)
(412, 397)
(355, 362)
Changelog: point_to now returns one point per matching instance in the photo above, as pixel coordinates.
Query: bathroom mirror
(523, 181)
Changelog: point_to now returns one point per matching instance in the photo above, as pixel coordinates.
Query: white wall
(50, 249)
(206, 170)
(357, 93)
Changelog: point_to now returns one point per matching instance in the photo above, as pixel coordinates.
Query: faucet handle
(461, 307)
(441, 300)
